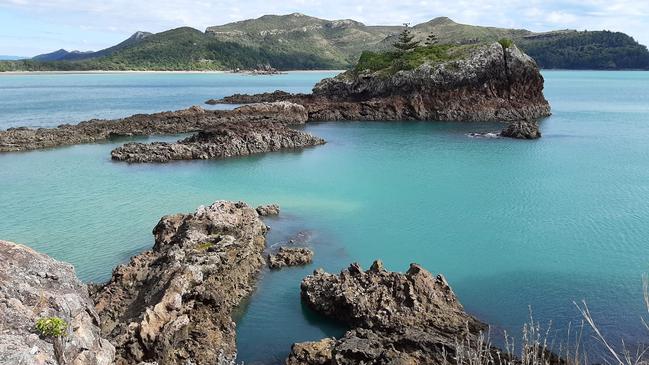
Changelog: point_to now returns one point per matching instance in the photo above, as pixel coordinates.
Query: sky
(31, 27)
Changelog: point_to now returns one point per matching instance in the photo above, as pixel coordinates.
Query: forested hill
(297, 41)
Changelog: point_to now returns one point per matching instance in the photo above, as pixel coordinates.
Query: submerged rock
(290, 256)
(411, 318)
(34, 286)
(227, 140)
(173, 304)
(522, 129)
(266, 210)
(193, 119)
(489, 83)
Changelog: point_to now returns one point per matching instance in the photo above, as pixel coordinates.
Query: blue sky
(30, 27)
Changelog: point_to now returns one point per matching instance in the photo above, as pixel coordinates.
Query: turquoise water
(510, 223)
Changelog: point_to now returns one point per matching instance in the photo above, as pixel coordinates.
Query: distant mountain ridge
(298, 41)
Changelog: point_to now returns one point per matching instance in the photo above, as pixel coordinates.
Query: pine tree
(405, 41)
(431, 39)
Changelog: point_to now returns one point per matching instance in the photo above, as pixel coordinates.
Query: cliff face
(173, 304)
(491, 83)
(34, 286)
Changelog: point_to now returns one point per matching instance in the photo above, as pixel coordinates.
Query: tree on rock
(405, 42)
(431, 39)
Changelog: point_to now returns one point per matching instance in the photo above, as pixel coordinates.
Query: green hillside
(297, 41)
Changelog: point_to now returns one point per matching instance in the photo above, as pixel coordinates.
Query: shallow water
(510, 223)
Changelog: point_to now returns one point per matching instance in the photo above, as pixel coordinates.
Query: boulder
(266, 210)
(522, 129)
(293, 256)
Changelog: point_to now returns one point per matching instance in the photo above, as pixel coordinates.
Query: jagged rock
(193, 119)
(226, 140)
(173, 304)
(522, 130)
(411, 318)
(312, 353)
(33, 286)
(266, 210)
(491, 83)
(290, 256)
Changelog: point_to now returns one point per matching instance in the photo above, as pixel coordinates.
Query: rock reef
(491, 83)
(522, 129)
(223, 141)
(411, 318)
(290, 256)
(189, 120)
(268, 210)
(173, 304)
(34, 286)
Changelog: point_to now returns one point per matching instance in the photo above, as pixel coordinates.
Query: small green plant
(506, 42)
(51, 327)
(204, 246)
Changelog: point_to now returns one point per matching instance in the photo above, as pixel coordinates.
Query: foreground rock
(290, 256)
(183, 121)
(490, 83)
(411, 318)
(33, 286)
(173, 304)
(223, 141)
(522, 130)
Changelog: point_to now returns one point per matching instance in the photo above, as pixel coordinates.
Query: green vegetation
(506, 42)
(392, 62)
(405, 42)
(51, 327)
(204, 246)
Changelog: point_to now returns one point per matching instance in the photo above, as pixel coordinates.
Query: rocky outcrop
(267, 210)
(34, 286)
(411, 318)
(183, 121)
(524, 129)
(173, 304)
(290, 256)
(223, 141)
(490, 83)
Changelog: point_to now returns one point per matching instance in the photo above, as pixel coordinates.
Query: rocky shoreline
(223, 141)
(194, 119)
(493, 83)
(173, 304)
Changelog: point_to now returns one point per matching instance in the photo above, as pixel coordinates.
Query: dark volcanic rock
(266, 210)
(226, 140)
(33, 286)
(522, 130)
(293, 256)
(183, 121)
(411, 318)
(173, 304)
(490, 84)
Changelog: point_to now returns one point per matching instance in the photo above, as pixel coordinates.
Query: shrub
(51, 327)
(506, 42)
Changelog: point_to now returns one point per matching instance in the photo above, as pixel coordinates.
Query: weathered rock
(173, 304)
(522, 129)
(266, 210)
(492, 83)
(290, 256)
(312, 353)
(411, 318)
(223, 141)
(33, 286)
(183, 121)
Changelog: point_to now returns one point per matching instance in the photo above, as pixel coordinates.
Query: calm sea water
(512, 224)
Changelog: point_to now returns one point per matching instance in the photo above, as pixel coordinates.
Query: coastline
(11, 73)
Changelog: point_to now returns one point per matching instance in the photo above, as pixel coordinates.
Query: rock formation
(290, 256)
(183, 121)
(411, 318)
(491, 83)
(522, 130)
(34, 286)
(222, 141)
(173, 304)
(266, 210)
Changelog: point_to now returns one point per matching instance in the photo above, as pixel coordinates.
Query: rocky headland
(194, 119)
(395, 318)
(487, 83)
(222, 141)
(173, 304)
(34, 286)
